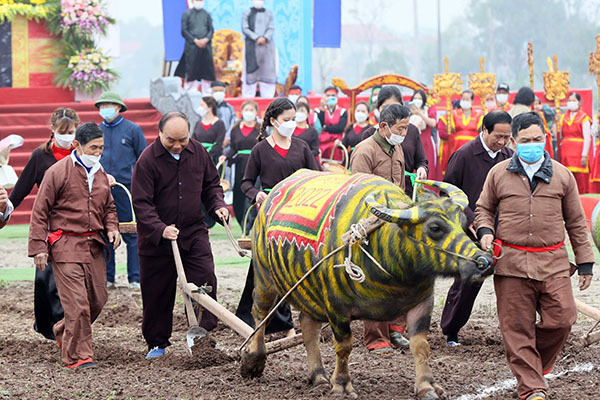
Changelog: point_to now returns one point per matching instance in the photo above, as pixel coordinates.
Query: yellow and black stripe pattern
(408, 248)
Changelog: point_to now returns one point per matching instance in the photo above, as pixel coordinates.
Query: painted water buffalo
(303, 220)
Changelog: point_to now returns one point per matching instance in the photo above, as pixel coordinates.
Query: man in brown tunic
(382, 155)
(73, 207)
(531, 195)
(173, 178)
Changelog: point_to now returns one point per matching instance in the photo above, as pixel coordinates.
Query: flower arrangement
(30, 9)
(233, 65)
(83, 17)
(87, 70)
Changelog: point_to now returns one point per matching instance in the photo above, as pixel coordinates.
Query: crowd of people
(503, 158)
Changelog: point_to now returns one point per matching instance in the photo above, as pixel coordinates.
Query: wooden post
(530, 62)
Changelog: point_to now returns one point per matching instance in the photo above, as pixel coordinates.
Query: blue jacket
(124, 142)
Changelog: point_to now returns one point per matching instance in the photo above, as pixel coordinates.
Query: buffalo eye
(436, 231)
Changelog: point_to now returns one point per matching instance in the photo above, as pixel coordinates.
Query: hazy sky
(398, 14)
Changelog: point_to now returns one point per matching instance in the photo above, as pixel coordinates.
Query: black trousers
(458, 307)
(159, 283)
(280, 321)
(46, 302)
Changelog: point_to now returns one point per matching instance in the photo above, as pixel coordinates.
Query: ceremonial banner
(302, 209)
(327, 27)
(293, 27)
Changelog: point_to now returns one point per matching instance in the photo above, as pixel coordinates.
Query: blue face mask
(530, 152)
(332, 101)
(108, 113)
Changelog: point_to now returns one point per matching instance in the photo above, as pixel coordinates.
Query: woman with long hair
(303, 129)
(63, 123)
(427, 115)
(244, 136)
(210, 130)
(273, 159)
(354, 132)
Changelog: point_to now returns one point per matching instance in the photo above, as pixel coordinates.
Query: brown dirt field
(30, 365)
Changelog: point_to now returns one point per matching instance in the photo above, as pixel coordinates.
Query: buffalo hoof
(344, 389)
(431, 394)
(253, 365)
(319, 377)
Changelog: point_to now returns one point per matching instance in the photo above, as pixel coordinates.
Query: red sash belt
(54, 236)
(532, 249)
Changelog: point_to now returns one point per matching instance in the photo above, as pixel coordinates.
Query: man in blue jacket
(123, 143)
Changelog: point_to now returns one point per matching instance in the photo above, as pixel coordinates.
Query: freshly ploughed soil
(30, 366)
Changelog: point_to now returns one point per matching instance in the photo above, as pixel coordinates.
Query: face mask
(374, 99)
(332, 101)
(377, 114)
(301, 117)
(394, 140)
(249, 116)
(293, 98)
(198, 5)
(108, 113)
(258, 3)
(89, 160)
(202, 111)
(502, 98)
(572, 105)
(360, 116)
(287, 128)
(219, 97)
(490, 104)
(465, 105)
(64, 141)
(530, 152)
(417, 103)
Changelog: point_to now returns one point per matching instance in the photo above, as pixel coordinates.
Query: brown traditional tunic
(65, 202)
(170, 192)
(531, 213)
(376, 156)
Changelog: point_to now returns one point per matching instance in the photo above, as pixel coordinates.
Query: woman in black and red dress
(304, 131)
(63, 123)
(354, 132)
(244, 135)
(272, 160)
(210, 130)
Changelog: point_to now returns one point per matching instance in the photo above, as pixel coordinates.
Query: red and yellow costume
(548, 133)
(571, 146)
(464, 129)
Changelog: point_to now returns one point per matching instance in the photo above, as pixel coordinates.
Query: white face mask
(377, 114)
(572, 105)
(417, 103)
(465, 105)
(502, 98)
(249, 116)
(258, 4)
(198, 5)
(293, 98)
(394, 140)
(490, 104)
(287, 128)
(202, 111)
(64, 141)
(360, 116)
(301, 117)
(89, 160)
(374, 99)
(219, 97)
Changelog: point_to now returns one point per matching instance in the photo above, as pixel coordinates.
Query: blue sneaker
(155, 352)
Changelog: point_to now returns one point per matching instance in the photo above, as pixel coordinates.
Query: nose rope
(444, 250)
